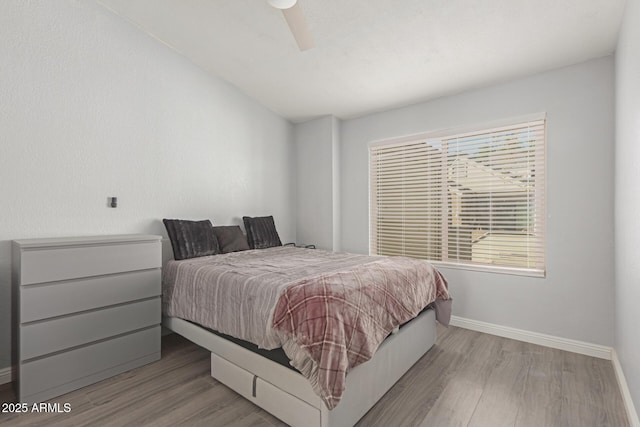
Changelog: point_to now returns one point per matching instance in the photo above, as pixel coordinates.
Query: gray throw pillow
(261, 232)
(191, 239)
(230, 238)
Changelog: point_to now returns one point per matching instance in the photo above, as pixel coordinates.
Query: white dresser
(84, 309)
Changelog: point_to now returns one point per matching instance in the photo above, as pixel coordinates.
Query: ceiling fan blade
(298, 26)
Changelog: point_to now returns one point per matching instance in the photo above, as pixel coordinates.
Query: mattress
(277, 354)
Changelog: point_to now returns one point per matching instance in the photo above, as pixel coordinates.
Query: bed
(330, 313)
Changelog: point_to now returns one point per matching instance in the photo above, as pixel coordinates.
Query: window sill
(492, 269)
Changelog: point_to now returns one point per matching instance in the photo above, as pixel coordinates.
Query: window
(469, 199)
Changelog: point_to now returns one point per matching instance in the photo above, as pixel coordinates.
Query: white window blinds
(469, 199)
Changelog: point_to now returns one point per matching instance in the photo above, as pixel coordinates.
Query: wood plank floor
(466, 379)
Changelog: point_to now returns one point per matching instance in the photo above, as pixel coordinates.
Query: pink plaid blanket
(339, 319)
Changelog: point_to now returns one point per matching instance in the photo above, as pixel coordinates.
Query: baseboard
(5, 375)
(574, 346)
(632, 414)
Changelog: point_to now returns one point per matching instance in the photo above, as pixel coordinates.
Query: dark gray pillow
(231, 238)
(261, 232)
(191, 239)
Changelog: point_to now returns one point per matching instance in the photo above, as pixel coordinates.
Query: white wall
(90, 107)
(317, 142)
(576, 298)
(627, 198)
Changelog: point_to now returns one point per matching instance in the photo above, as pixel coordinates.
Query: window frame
(445, 133)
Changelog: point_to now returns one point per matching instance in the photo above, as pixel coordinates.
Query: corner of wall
(632, 413)
(317, 144)
(336, 182)
(626, 206)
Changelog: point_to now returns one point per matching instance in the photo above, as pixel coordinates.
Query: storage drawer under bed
(264, 394)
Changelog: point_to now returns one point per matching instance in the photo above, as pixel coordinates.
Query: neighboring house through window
(472, 198)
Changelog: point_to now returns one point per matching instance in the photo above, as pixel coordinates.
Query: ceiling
(373, 55)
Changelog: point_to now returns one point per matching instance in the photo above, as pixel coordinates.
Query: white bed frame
(288, 395)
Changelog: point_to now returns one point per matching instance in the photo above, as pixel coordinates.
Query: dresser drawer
(41, 338)
(57, 299)
(70, 262)
(51, 376)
